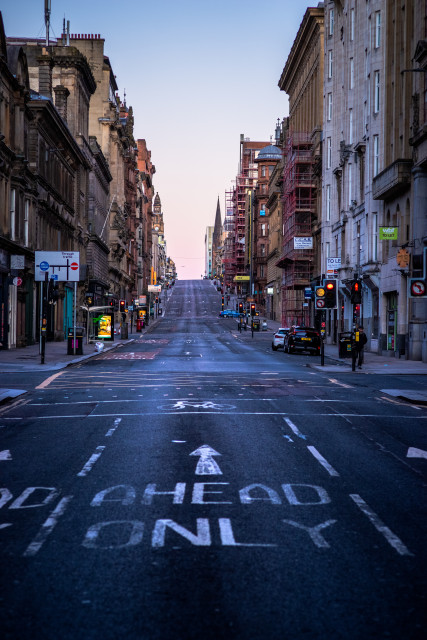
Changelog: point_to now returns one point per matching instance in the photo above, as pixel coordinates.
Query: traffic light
(417, 288)
(157, 299)
(122, 306)
(222, 302)
(319, 297)
(331, 294)
(240, 307)
(252, 308)
(356, 292)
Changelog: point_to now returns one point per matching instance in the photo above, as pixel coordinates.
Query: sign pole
(75, 310)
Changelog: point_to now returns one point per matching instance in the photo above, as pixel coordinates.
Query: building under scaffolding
(235, 213)
(299, 202)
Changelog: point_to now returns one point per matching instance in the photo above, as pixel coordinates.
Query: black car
(302, 339)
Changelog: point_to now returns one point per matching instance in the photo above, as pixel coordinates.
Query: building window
(262, 248)
(351, 73)
(328, 153)
(377, 38)
(329, 106)
(26, 222)
(330, 60)
(331, 22)
(263, 171)
(376, 155)
(352, 24)
(263, 230)
(261, 270)
(374, 237)
(328, 202)
(376, 91)
(350, 126)
(12, 214)
(350, 186)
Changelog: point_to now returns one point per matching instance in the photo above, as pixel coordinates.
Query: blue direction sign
(44, 266)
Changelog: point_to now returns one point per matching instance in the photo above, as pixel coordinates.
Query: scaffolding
(299, 202)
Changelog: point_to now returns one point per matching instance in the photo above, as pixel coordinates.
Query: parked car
(229, 313)
(279, 337)
(303, 339)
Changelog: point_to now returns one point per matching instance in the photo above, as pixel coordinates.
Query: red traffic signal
(252, 309)
(122, 306)
(356, 292)
(240, 307)
(331, 294)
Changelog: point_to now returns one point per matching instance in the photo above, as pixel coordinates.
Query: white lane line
(47, 527)
(341, 384)
(379, 525)
(294, 428)
(89, 464)
(225, 413)
(113, 428)
(325, 464)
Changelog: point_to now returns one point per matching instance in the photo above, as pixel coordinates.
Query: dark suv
(302, 339)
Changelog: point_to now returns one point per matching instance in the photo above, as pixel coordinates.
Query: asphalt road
(196, 484)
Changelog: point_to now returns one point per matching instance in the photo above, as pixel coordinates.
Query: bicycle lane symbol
(207, 405)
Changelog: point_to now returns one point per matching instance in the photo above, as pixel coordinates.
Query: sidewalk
(56, 358)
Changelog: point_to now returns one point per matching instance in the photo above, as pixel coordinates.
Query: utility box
(344, 344)
(79, 341)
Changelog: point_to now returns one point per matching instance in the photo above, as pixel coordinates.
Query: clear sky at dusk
(197, 73)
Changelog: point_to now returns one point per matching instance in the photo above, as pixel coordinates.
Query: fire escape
(299, 203)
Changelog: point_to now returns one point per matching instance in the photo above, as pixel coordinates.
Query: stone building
(146, 170)
(18, 201)
(302, 79)
(111, 123)
(266, 161)
(399, 177)
(208, 251)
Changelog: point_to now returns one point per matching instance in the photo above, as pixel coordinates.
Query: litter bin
(256, 324)
(79, 341)
(124, 331)
(344, 344)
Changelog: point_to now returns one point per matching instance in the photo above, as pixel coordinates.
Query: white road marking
(113, 428)
(47, 527)
(89, 464)
(391, 537)
(325, 464)
(341, 384)
(416, 453)
(219, 413)
(294, 428)
(206, 466)
(5, 455)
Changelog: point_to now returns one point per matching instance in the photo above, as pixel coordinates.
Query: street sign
(17, 262)
(17, 282)
(62, 266)
(417, 288)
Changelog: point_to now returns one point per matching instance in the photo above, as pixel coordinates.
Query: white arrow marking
(416, 453)
(206, 465)
(5, 455)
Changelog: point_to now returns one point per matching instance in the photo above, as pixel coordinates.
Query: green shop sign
(388, 233)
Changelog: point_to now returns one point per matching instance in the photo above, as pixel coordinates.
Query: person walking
(359, 341)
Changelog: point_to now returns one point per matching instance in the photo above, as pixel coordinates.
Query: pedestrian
(357, 348)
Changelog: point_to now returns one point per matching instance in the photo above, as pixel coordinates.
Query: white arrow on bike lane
(206, 466)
